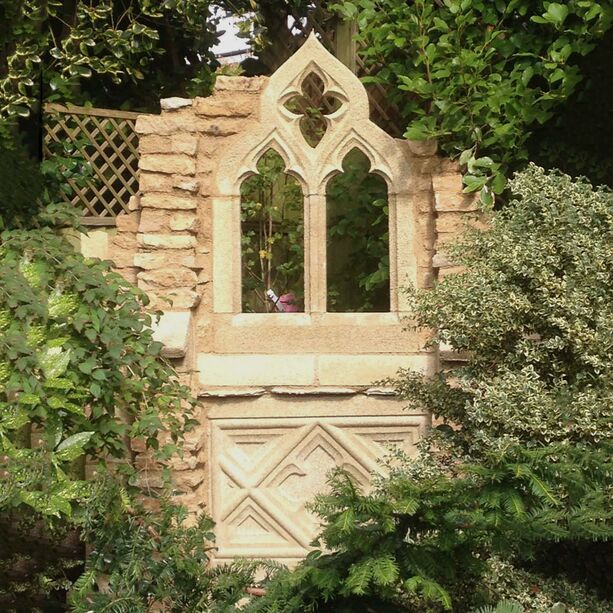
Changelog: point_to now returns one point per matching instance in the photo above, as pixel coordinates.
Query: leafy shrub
(81, 378)
(528, 461)
(143, 559)
(538, 594)
(478, 75)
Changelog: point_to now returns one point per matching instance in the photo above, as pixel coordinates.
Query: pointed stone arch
(348, 127)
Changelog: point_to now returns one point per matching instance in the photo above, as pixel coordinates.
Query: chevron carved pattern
(265, 470)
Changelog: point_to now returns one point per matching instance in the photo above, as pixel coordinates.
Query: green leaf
(72, 447)
(557, 13)
(29, 399)
(54, 362)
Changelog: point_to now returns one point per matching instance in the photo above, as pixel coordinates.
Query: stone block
(231, 392)
(188, 479)
(184, 143)
(177, 276)
(124, 240)
(367, 369)
(181, 298)
(184, 184)
(450, 201)
(226, 104)
(201, 261)
(134, 203)
(333, 333)
(154, 220)
(451, 183)
(447, 166)
(222, 126)
(184, 222)
(171, 163)
(155, 182)
(445, 239)
(166, 241)
(442, 260)
(128, 273)
(256, 370)
(168, 201)
(229, 83)
(174, 103)
(177, 143)
(163, 259)
(164, 125)
(313, 391)
(422, 148)
(95, 244)
(204, 165)
(127, 222)
(172, 330)
(451, 222)
(122, 258)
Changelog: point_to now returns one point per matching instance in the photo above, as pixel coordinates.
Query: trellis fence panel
(106, 142)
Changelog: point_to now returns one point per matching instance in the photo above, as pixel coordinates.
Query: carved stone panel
(264, 471)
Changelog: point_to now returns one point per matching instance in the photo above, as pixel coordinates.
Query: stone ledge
(172, 330)
(314, 391)
(231, 392)
(239, 83)
(380, 391)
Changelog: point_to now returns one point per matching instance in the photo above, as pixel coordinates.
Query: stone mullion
(315, 246)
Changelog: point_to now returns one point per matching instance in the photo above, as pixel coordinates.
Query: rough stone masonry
(285, 396)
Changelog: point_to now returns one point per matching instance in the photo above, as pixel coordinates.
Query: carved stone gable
(286, 396)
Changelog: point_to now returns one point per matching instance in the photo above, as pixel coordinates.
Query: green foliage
(576, 139)
(79, 362)
(21, 186)
(528, 462)
(478, 75)
(506, 606)
(151, 558)
(58, 47)
(358, 238)
(272, 216)
(537, 593)
(80, 376)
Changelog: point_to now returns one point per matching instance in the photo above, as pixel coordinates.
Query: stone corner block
(422, 148)
(228, 83)
(174, 103)
(172, 330)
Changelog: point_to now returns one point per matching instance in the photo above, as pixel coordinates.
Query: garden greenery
(81, 381)
(478, 75)
(136, 51)
(526, 466)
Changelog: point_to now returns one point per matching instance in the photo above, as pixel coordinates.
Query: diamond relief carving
(264, 471)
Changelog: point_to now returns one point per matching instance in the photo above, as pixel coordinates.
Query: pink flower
(287, 300)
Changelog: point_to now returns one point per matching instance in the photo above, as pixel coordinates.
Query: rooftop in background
(231, 48)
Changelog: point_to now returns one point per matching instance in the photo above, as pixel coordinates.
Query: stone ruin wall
(273, 420)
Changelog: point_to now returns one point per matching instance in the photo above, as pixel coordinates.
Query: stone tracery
(267, 379)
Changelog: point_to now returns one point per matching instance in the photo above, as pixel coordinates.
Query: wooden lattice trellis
(107, 142)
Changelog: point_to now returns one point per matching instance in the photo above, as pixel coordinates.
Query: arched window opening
(358, 277)
(272, 239)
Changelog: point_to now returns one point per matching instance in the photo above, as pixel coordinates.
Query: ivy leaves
(478, 76)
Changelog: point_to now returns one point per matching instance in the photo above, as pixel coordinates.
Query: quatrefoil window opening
(313, 106)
